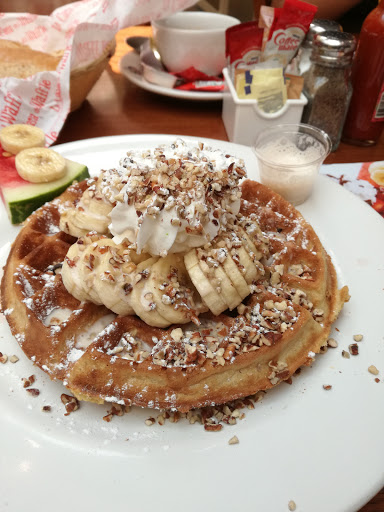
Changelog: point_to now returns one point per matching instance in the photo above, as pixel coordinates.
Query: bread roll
(21, 61)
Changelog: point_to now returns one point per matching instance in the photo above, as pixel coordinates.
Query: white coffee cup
(195, 39)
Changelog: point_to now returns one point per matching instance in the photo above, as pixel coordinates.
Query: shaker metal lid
(318, 26)
(333, 47)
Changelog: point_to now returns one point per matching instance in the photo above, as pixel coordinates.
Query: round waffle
(101, 356)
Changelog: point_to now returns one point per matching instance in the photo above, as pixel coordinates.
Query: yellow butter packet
(267, 86)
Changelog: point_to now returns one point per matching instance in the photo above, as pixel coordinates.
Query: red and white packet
(81, 30)
(243, 45)
(195, 80)
(287, 31)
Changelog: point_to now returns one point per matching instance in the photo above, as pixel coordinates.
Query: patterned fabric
(360, 179)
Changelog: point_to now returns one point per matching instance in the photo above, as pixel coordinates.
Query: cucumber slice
(21, 198)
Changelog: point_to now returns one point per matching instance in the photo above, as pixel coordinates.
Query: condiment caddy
(244, 119)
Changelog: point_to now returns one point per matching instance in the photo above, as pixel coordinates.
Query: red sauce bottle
(365, 118)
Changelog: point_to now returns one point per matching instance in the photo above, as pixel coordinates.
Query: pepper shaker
(305, 51)
(327, 84)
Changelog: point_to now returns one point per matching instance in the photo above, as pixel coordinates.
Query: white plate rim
(357, 495)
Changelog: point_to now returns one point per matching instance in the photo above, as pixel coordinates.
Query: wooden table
(115, 107)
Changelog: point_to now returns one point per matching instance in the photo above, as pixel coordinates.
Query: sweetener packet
(288, 29)
(264, 85)
(243, 44)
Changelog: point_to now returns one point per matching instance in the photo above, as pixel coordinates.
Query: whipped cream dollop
(172, 198)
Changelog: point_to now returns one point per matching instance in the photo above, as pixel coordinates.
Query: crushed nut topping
(33, 391)
(372, 369)
(28, 381)
(211, 417)
(332, 343)
(70, 402)
(192, 190)
(213, 427)
(353, 349)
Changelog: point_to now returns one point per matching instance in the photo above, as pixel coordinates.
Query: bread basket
(21, 61)
(83, 78)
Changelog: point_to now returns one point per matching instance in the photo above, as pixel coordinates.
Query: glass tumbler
(289, 157)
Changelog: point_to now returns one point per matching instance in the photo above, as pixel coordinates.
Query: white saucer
(130, 67)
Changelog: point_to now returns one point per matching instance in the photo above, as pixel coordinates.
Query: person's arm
(327, 9)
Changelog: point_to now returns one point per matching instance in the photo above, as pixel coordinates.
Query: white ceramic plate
(130, 67)
(322, 449)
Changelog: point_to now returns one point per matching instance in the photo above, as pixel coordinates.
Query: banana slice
(251, 271)
(234, 274)
(85, 221)
(89, 269)
(95, 206)
(208, 293)
(79, 221)
(249, 242)
(98, 270)
(111, 279)
(40, 165)
(68, 224)
(76, 270)
(142, 300)
(90, 214)
(173, 292)
(228, 290)
(16, 137)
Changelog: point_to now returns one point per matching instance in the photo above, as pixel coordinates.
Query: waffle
(101, 356)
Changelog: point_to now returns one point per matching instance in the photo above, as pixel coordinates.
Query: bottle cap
(333, 48)
(318, 26)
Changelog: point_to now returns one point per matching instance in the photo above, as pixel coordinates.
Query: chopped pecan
(28, 382)
(70, 402)
(213, 427)
(33, 391)
(274, 337)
